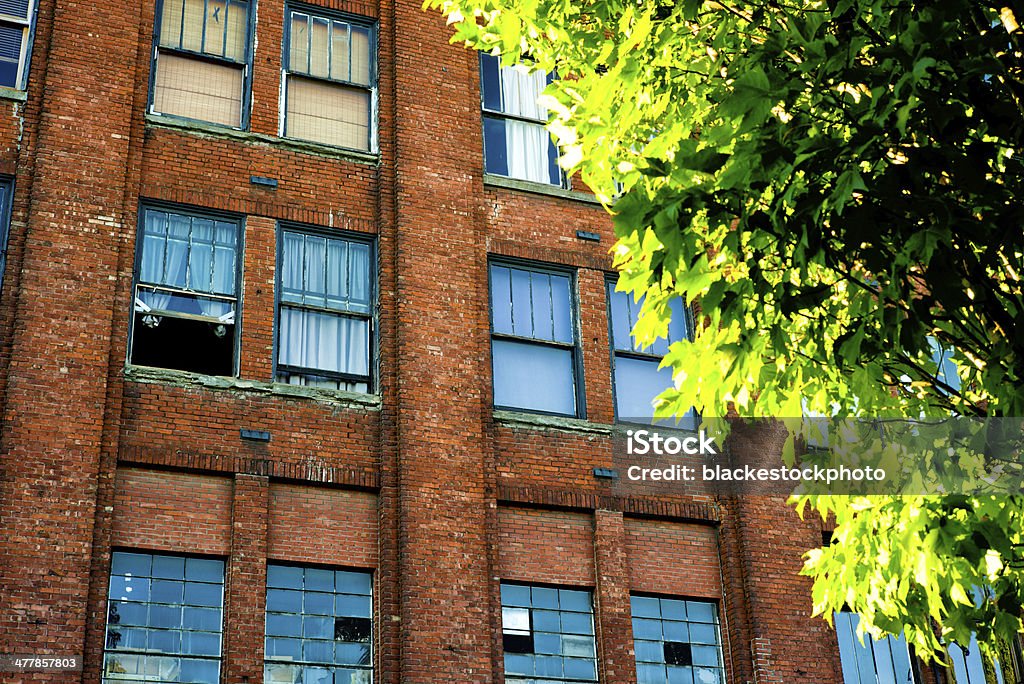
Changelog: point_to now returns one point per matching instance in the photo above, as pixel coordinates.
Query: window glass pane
(319, 47)
(533, 377)
(637, 383)
(515, 595)
(561, 299)
(15, 8)
(540, 304)
(298, 43)
(353, 582)
(170, 23)
(196, 89)
(192, 26)
(490, 83)
(324, 341)
(515, 619)
(124, 563)
(328, 113)
(691, 649)
(359, 277)
(361, 57)
(237, 30)
(495, 152)
(339, 51)
(337, 274)
(216, 25)
(501, 299)
(522, 316)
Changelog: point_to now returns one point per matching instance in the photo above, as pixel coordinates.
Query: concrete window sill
(538, 421)
(539, 189)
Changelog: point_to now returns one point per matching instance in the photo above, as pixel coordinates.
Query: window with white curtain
(516, 144)
(16, 19)
(330, 79)
(635, 368)
(200, 61)
(186, 291)
(533, 339)
(325, 311)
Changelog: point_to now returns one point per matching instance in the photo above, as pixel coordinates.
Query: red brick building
(267, 413)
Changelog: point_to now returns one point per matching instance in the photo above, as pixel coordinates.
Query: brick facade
(420, 482)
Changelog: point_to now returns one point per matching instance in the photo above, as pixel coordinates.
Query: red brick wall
(545, 546)
(677, 559)
(321, 525)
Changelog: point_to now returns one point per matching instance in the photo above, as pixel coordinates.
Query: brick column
(614, 614)
(246, 582)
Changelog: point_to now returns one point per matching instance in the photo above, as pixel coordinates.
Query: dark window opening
(351, 629)
(677, 653)
(183, 344)
(517, 643)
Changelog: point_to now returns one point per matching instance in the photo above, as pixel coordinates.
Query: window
(6, 195)
(164, 617)
(324, 315)
(533, 340)
(330, 80)
(676, 641)
(637, 378)
(16, 19)
(319, 628)
(969, 666)
(185, 293)
(884, 660)
(516, 144)
(200, 68)
(548, 635)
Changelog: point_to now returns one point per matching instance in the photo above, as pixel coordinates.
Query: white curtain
(527, 143)
(323, 341)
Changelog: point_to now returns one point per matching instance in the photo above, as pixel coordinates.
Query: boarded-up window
(330, 81)
(201, 60)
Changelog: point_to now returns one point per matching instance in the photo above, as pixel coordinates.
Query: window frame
(869, 644)
(371, 643)
(540, 679)
(372, 25)
(28, 25)
(574, 316)
(7, 183)
(373, 375)
(565, 181)
(614, 353)
(719, 625)
(219, 659)
(200, 212)
(246, 64)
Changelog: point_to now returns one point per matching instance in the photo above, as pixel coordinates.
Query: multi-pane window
(330, 79)
(6, 192)
(164, 619)
(548, 635)
(325, 311)
(186, 292)
(318, 626)
(638, 378)
(516, 144)
(533, 339)
(16, 17)
(200, 68)
(676, 641)
(882, 660)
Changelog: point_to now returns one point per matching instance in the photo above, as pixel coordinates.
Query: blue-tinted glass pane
(501, 299)
(678, 327)
(204, 570)
(618, 304)
(169, 567)
(533, 377)
(546, 621)
(540, 303)
(701, 633)
(649, 651)
(8, 67)
(14, 8)
(283, 601)
(203, 594)
(701, 611)
(165, 641)
(317, 603)
(518, 664)
(522, 316)
(578, 601)
(676, 631)
(207, 619)
(548, 666)
(200, 671)
(123, 563)
(165, 616)
(280, 673)
(353, 582)
(290, 265)
(580, 668)
(577, 645)
(200, 643)
(316, 627)
(351, 605)
(680, 675)
(284, 625)
(515, 595)
(673, 610)
(646, 629)
(490, 82)
(645, 606)
(707, 675)
(561, 299)
(650, 674)
(284, 648)
(129, 588)
(314, 265)
(705, 655)
(543, 597)
(351, 653)
(547, 643)
(495, 150)
(637, 383)
(317, 651)
(577, 623)
(127, 613)
(359, 277)
(554, 172)
(319, 580)
(337, 274)
(284, 577)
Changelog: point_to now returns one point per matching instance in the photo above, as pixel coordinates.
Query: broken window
(533, 339)
(548, 634)
(330, 79)
(16, 19)
(164, 619)
(676, 640)
(6, 192)
(200, 68)
(319, 626)
(185, 294)
(325, 321)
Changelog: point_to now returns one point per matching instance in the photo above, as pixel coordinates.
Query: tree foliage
(833, 183)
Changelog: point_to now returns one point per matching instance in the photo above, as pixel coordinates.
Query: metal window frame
(718, 623)
(593, 623)
(28, 24)
(564, 181)
(5, 224)
(576, 347)
(137, 652)
(246, 65)
(238, 220)
(372, 379)
(614, 354)
(371, 668)
(372, 26)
